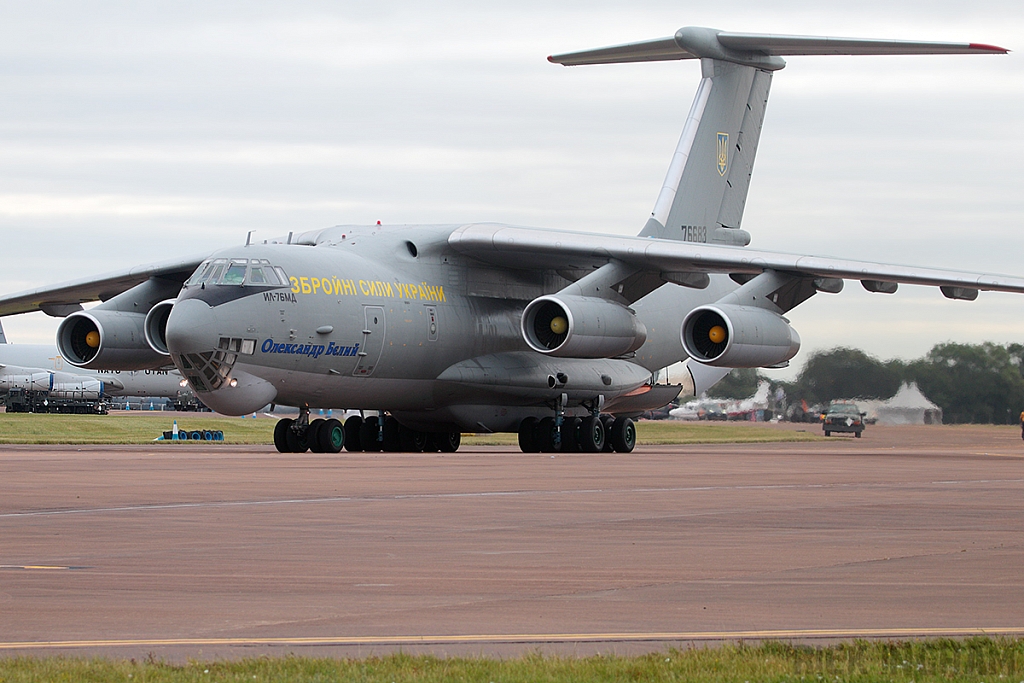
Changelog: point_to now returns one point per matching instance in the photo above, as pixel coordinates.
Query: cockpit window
(235, 274)
(194, 279)
(257, 272)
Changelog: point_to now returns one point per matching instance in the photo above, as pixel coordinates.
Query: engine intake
(581, 327)
(731, 336)
(155, 327)
(107, 340)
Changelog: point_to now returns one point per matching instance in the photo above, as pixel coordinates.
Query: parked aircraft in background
(724, 409)
(484, 327)
(38, 367)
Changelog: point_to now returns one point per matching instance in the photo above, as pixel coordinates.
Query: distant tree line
(979, 383)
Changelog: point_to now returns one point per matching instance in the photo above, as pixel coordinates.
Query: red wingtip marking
(551, 58)
(988, 48)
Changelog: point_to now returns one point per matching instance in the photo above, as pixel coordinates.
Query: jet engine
(107, 340)
(36, 381)
(155, 327)
(581, 327)
(731, 336)
(82, 388)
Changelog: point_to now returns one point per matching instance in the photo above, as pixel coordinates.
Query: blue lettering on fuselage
(311, 350)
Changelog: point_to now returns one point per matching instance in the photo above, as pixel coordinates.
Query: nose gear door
(373, 341)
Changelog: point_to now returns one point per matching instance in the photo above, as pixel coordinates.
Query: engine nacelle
(730, 336)
(155, 327)
(581, 327)
(36, 381)
(107, 340)
(82, 388)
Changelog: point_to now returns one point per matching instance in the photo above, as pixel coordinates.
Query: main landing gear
(375, 433)
(592, 434)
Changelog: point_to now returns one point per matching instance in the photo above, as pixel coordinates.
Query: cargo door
(373, 341)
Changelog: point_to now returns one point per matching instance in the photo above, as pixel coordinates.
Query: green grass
(974, 660)
(142, 428)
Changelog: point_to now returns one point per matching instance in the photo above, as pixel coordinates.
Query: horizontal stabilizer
(760, 49)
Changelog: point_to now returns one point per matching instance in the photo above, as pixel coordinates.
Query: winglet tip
(982, 47)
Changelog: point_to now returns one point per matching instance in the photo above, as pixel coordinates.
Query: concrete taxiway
(220, 551)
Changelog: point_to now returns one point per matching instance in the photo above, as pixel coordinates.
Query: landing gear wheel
(448, 442)
(528, 442)
(623, 435)
(591, 435)
(280, 434)
(368, 435)
(392, 435)
(570, 434)
(330, 436)
(313, 435)
(296, 442)
(608, 421)
(546, 430)
(412, 440)
(352, 429)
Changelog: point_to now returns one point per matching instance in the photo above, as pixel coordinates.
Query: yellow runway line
(784, 634)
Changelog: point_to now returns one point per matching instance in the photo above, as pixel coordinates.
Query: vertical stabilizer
(3, 339)
(705, 190)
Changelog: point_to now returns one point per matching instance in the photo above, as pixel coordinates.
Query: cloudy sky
(138, 131)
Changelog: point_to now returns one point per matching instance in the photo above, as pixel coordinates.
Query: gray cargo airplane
(38, 367)
(431, 330)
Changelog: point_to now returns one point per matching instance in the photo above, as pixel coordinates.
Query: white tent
(909, 407)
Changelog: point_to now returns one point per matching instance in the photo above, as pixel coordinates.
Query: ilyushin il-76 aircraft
(433, 330)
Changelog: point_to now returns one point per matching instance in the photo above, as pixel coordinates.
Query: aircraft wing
(67, 297)
(531, 248)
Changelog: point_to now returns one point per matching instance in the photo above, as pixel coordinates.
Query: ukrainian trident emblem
(723, 153)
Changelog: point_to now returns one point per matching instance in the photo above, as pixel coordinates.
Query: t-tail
(705, 190)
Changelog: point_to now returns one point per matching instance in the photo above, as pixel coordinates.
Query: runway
(222, 551)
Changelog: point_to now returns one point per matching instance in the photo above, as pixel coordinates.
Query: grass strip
(973, 660)
(142, 428)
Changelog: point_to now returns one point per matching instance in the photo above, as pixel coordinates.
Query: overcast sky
(138, 131)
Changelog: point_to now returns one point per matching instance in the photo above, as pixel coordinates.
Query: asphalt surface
(221, 551)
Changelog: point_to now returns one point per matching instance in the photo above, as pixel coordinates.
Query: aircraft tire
(296, 442)
(411, 440)
(592, 435)
(623, 435)
(528, 435)
(313, 435)
(368, 433)
(280, 434)
(331, 436)
(608, 421)
(448, 442)
(546, 435)
(392, 435)
(570, 434)
(352, 433)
